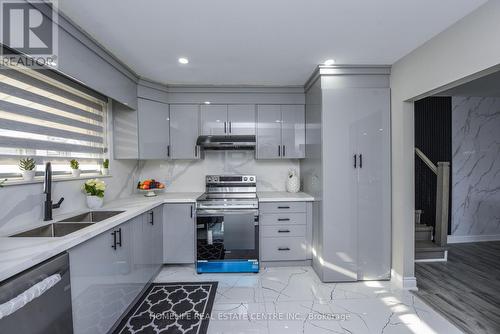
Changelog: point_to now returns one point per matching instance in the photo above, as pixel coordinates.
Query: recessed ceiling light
(183, 60)
(329, 62)
(207, 102)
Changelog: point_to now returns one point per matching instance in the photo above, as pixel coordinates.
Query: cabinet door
(154, 128)
(373, 181)
(178, 233)
(214, 119)
(293, 131)
(184, 130)
(268, 132)
(147, 233)
(241, 119)
(93, 285)
(154, 219)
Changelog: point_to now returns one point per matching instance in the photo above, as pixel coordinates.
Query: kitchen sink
(53, 230)
(92, 216)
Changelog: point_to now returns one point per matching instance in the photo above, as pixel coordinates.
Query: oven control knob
(245, 178)
(251, 179)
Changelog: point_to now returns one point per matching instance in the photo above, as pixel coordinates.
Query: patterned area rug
(171, 308)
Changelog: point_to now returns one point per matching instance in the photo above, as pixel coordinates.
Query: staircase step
(423, 232)
(428, 250)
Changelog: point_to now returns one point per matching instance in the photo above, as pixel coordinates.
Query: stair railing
(442, 171)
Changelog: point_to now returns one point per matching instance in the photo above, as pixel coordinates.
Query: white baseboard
(407, 283)
(444, 259)
(457, 239)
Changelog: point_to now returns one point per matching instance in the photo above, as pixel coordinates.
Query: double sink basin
(69, 225)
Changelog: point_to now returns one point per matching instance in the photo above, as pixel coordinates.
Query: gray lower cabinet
(179, 233)
(110, 270)
(280, 132)
(184, 130)
(285, 231)
(153, 128)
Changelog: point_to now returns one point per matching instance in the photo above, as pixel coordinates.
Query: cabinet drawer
(283, 219)
(280, 207)
(284, 231)
(283, 249)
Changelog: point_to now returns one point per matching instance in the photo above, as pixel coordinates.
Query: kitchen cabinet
(285, 231)
(184, 130)
(228, 120)
(241, 119)
(110, 270)
(179, 233)
(154, 129)
(213, 119)
(280, 132)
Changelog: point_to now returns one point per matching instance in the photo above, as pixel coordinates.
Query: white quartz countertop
(18, 254)
(283, 196)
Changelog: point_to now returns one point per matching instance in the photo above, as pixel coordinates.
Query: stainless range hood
(226, 143)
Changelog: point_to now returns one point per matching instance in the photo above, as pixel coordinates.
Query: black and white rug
(171, 308)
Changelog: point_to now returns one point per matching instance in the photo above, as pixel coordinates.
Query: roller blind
(48, 120)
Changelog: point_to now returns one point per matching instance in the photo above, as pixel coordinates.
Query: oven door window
(227, 236)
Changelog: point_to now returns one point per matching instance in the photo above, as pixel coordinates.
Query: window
(49, 118)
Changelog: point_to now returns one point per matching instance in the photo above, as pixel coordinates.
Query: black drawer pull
(114, 240)
(283, 231)
(283, 207)
(119, 243)
(152, 221)
(283, 249)
(283, 219)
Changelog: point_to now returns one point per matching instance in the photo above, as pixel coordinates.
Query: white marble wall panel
(181, 175)
(476, 166)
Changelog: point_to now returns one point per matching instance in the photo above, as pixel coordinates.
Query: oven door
(227, 235)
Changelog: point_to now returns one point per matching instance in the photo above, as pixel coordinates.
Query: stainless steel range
(227, 229)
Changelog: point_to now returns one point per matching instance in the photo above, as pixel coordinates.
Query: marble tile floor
(294, 300)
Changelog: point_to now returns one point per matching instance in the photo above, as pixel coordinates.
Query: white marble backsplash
(187, 176)
(476, 166)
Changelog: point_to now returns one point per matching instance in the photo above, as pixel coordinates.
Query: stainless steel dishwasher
(38, 300)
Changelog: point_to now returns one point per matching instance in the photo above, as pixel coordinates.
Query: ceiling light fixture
(183, 60)
(207, 102)
(329, 62)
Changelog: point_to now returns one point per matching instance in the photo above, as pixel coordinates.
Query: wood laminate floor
(466, 289)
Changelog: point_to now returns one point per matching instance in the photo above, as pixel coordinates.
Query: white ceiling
(259, 42)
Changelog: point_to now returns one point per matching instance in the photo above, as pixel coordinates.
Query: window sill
(56, 178)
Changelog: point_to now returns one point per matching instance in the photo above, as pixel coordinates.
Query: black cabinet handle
(114, 240)
(230, 127)
(191, 211)
(361, 161)
(355, 161)
(283, 249)
(283, 231)
(279, 150)
(283, 219)
(284, 152)
(168, 150)
(119, 243)
(195, 151)
(225, 127)
(283, 207)
(152, 221)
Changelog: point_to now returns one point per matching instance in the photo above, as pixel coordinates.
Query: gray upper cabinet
(178, 233)
(280, 132)
(184, 130)
(214, 120)
(293, 131)
(268, 132)
(241, 119)
(154, 137)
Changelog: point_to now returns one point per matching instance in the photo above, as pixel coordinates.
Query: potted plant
(94, 189)
(105, 167)
(27, 167)
(75, 167)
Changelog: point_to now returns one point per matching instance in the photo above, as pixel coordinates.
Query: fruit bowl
(150, 187)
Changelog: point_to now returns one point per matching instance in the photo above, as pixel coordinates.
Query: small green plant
(94, 187)
(27, 164)
(105, 163)
(74, 164)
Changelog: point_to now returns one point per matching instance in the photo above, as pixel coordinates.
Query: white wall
(457, 54)
(182, 175)
(475, 168)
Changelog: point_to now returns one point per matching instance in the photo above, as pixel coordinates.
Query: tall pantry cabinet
(347, 166)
